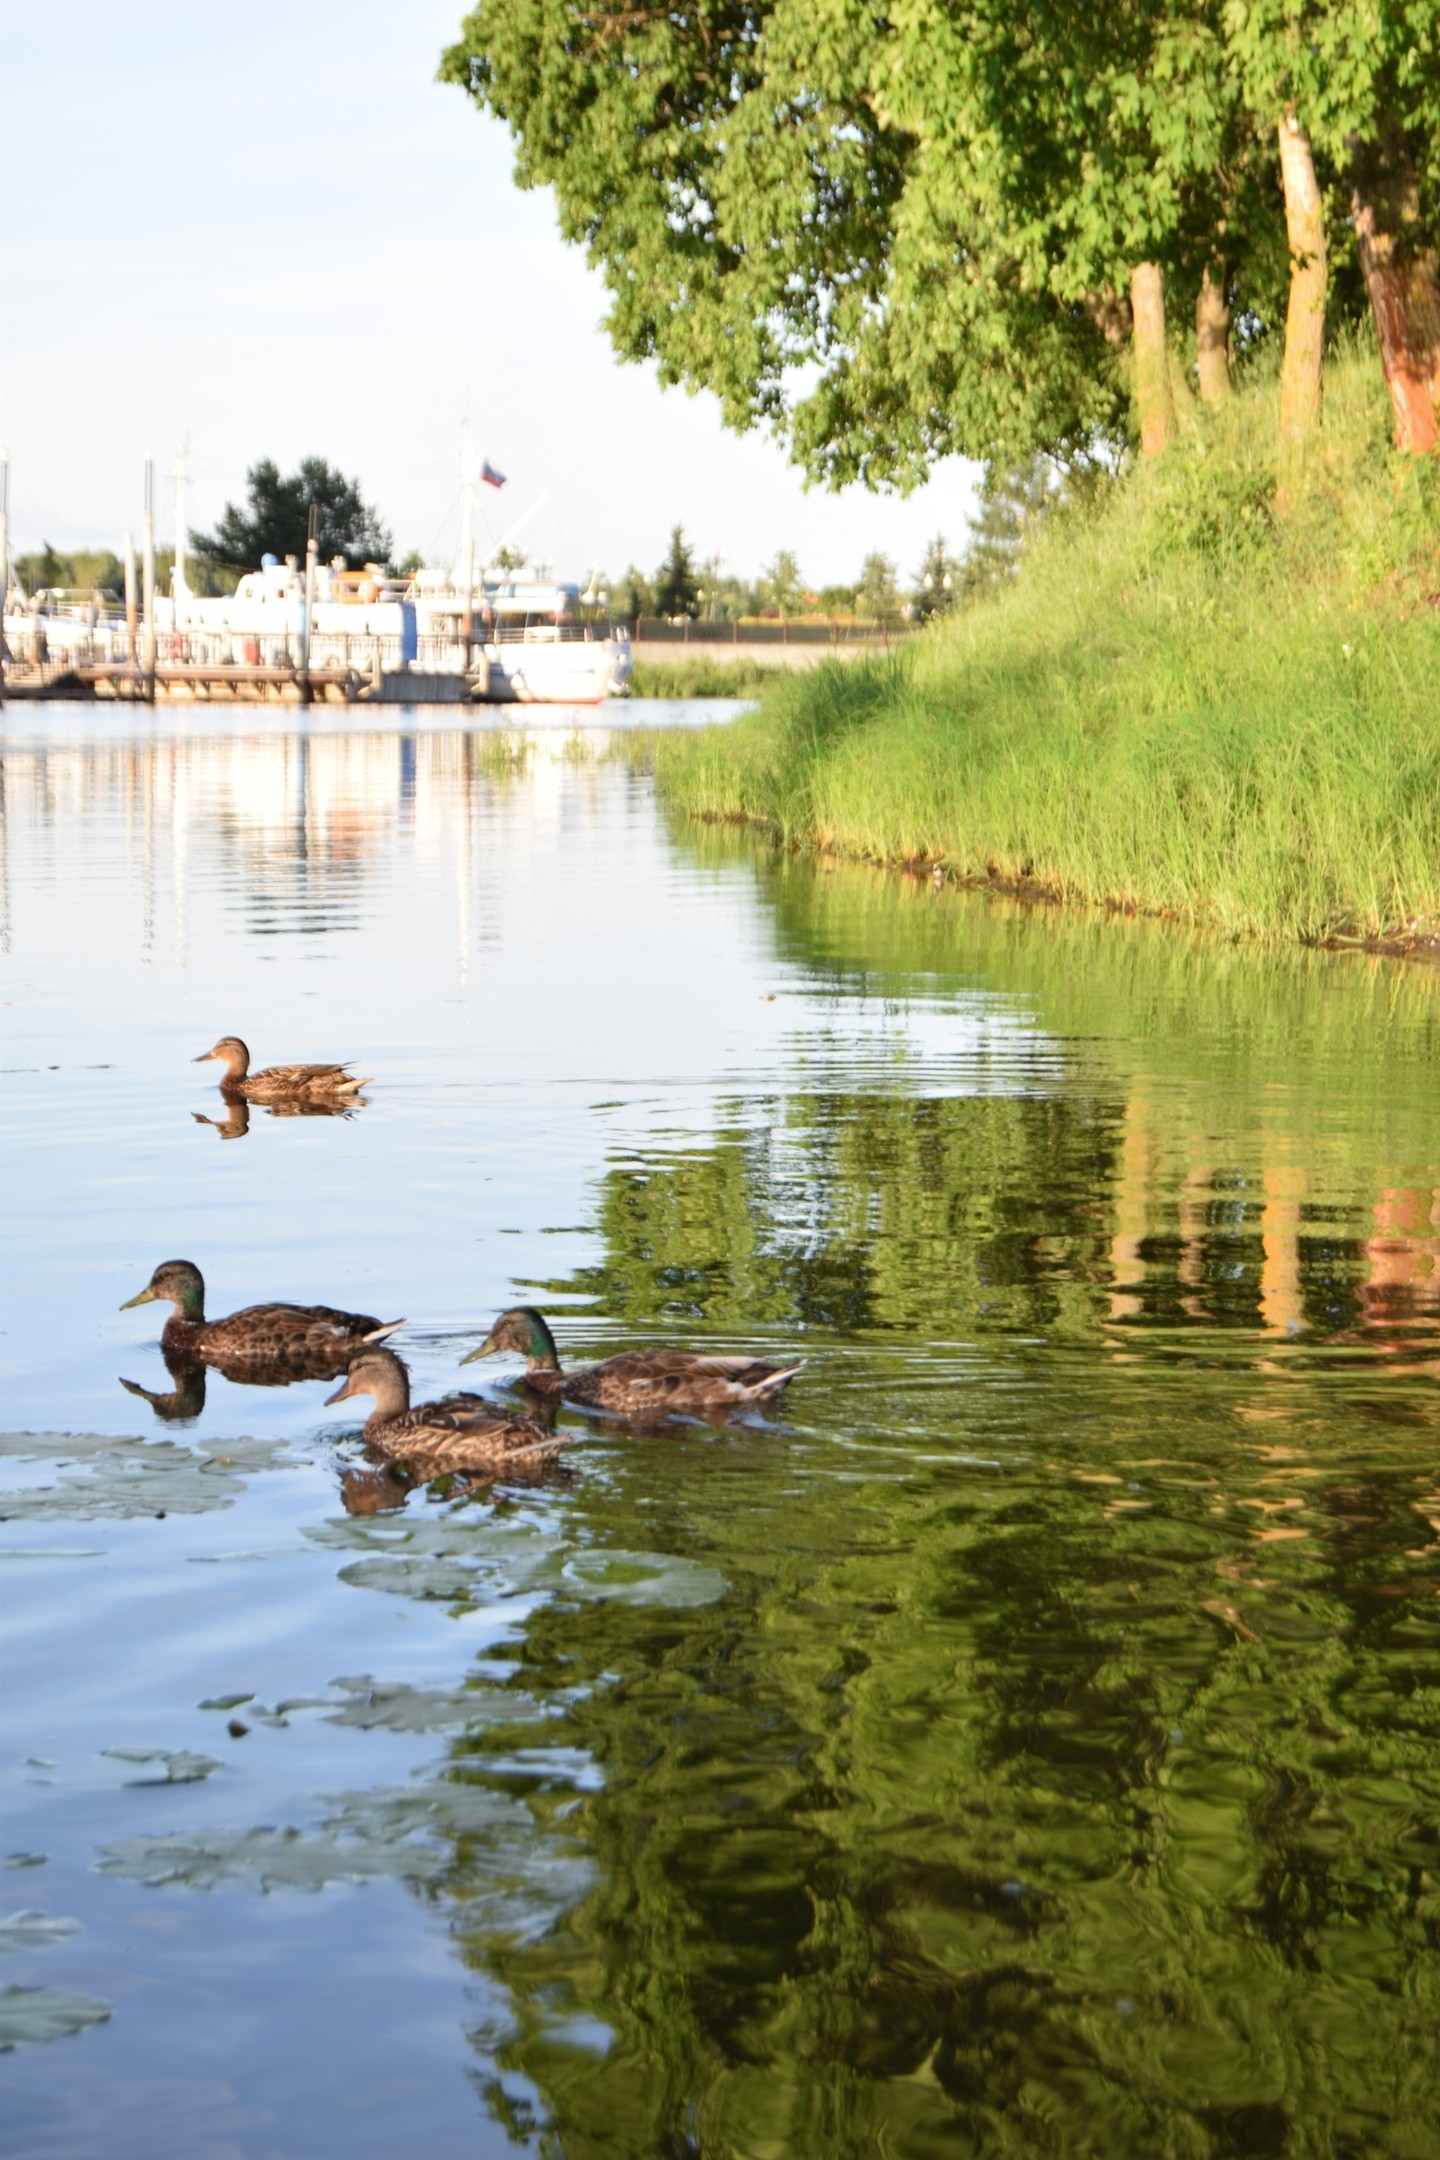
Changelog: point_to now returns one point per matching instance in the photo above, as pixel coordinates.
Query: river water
(1022, 1744)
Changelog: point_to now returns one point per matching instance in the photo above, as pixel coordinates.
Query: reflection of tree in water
(983, 1815)
(1070, 1805)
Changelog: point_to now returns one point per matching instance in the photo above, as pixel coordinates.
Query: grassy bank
(701, 675)
(1211, 694)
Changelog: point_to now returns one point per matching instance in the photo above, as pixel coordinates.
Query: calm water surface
(1025, 1745)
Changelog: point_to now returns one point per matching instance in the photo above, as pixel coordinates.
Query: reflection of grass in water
(503, 753)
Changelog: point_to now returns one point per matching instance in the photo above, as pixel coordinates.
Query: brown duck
(465, 1432)
(639, 1384)
(280, 1342)
(278, 1083)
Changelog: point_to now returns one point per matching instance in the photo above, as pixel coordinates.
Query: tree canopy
(893, 236)
(275, 519)
(676, 586)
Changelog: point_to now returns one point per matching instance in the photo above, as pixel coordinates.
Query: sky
(269, 232)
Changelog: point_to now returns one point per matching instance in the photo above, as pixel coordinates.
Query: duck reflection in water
(236, 1121)
(182, 1401)
(383, 1490)
(185, 1397)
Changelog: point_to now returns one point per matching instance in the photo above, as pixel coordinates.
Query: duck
(462, 1433)
(276, 1342)
(638, 1384)
(278, 1083)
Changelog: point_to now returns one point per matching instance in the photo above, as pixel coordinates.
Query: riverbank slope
(1211, 694)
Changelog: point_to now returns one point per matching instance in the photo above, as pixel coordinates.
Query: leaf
(31, 1930)
(180, 1766)
(29, 2015)
(114, 1479)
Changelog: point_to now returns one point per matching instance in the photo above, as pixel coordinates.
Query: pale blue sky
(269, 228)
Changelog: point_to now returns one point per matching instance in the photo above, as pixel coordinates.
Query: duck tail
(378, 1334)
(773, 1382)
(347, 1086)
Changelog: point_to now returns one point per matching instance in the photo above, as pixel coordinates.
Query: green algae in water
(31, 2015)
(33, 1930)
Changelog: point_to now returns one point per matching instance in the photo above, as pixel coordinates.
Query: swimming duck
(276, 1083)
(309, 1342)
(638, 1383)
(465, 1432)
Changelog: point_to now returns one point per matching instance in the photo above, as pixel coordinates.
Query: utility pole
(182, 477)
(4, 557)
(467, 543)
(312, 552)
(148, 577)
(131, 604)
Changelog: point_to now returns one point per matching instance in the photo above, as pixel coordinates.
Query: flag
(489, 475)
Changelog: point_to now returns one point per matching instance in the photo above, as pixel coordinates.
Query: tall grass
(701, 675)
(1216, 694)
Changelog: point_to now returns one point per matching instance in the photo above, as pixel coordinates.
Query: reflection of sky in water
(519, 957)
(795, 1782)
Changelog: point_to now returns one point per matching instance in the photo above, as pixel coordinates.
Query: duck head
(174, 1282)
(378, 1373)
(522, 1329)
(232, 1054)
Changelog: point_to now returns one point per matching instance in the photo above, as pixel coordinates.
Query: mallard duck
(274, 1342)
(638, 1383)
(465, 1432)
(277, 1083)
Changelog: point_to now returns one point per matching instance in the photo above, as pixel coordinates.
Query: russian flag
(489, 475)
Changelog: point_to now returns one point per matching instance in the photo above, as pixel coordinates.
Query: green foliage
(889, 236)
(1012, 501)
(1156, 713)
(878, 592)
(275, 519)
(781, 586)
(700, 675)
(632, 595)
(938, 582)
(676, 587)
(48, 570)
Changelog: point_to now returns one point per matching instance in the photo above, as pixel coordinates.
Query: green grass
(1215, 695)
(701, 675)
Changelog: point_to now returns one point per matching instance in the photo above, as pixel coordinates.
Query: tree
(891, 235)
(781, 585)
(877, 594)
(1353, 94)
(676, 587)
(276, 519)
(45, 571)
(938, 582)
(1012, 501)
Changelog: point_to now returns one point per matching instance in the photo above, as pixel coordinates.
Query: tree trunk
(1212, 340)
(1154, 397)
(1300, 374)
(1402, 280)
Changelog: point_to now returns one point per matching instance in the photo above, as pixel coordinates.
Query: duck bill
(205, 1057)
(486, 1349)
(342, 1394)
(141, 1297)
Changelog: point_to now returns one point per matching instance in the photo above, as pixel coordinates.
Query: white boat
(478, 631)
